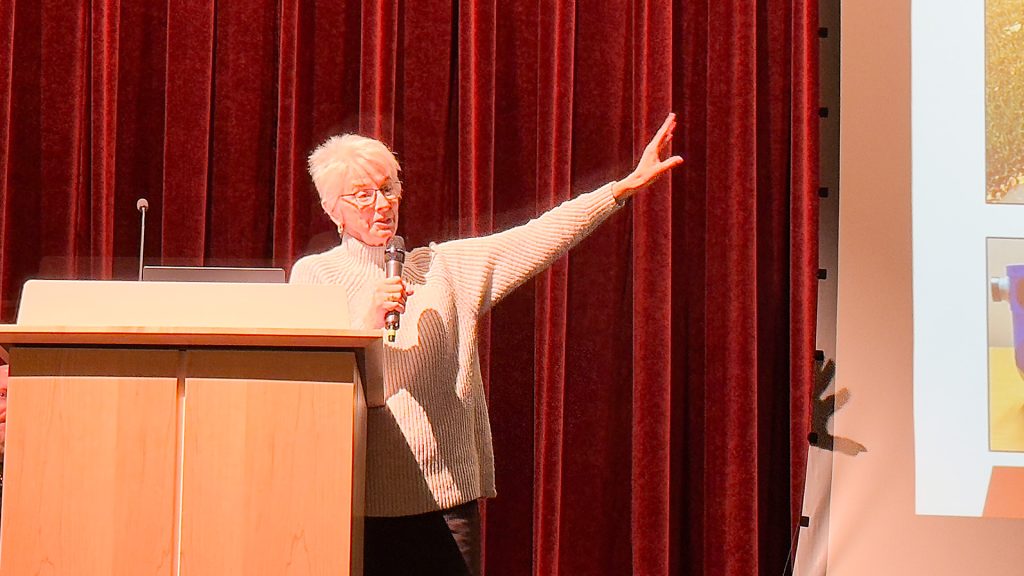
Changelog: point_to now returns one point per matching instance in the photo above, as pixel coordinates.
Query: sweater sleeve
(488, 268)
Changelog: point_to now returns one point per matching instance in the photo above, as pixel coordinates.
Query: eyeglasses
(368, 196)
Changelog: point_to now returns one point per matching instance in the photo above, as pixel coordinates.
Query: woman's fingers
(661, 167)
(666, 126)
(665, 132)
(661, 139)
(665, 143)
(400, 289)
(670, 163)
(392, 294)
(386, 298)
(395, 284)
(394, 307)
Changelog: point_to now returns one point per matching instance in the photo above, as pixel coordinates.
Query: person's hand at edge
(3, 409)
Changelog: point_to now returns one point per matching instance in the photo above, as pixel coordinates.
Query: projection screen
(931, 229)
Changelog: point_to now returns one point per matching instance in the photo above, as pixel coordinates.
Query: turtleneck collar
(372, 255)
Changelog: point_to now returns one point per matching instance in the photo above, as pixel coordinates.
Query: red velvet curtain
(648, 393)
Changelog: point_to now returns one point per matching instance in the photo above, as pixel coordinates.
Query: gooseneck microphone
(142, 205)
(394, 259)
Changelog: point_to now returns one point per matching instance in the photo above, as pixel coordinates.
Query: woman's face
(362, 209)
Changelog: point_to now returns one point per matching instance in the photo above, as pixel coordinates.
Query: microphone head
(396, 243)
(142, 205)
(395, 249)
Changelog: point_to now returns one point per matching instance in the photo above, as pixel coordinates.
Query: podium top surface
(183, 314)
(176, 336)
(93, 303)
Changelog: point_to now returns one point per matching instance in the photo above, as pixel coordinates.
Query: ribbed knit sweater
(429, 447)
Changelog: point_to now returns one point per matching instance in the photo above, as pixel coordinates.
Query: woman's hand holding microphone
(389, 295)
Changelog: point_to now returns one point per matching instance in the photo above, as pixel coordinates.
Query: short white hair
(332, 162)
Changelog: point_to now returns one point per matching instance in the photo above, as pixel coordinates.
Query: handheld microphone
(142, 205)
(394, 259)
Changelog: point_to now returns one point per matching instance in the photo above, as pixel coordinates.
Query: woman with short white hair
(429, 457)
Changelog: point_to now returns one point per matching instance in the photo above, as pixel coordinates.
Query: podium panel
(268, 471)
(167, 462)
(89, 484)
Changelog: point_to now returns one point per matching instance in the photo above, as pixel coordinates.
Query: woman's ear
(336, 218)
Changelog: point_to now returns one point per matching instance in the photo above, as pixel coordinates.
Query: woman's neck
(373, 255)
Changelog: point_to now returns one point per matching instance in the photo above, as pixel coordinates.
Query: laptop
(213, 274)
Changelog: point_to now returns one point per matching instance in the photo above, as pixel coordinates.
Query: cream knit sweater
(429, 447)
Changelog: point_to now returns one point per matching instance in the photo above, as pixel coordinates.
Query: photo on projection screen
(1004, 95)
(1005, 265)
(1006, 344)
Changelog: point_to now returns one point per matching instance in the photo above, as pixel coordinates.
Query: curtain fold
(291, 134)
(691, 275)
(731, 546)
(803, 278)
(555, 55)
(377, 70)
(188, 124)
(239, 224)
(6, 90)
(64, 131)
(649, 392)
(101, 162)
(652, 447)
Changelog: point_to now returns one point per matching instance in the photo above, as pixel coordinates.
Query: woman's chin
(376, 238)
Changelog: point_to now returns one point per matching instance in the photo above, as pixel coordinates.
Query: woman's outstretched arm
(486, 269)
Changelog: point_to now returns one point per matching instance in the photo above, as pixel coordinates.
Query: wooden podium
(193, 429)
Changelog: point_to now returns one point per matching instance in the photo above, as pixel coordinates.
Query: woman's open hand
(650, 166)
(389, 295)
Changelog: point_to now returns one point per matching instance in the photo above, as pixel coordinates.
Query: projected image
(1006, 344)
(1004, 92)
(967, 259)
(1006, 372)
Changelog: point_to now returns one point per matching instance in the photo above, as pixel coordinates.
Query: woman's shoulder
(308, 268)
(332, 255)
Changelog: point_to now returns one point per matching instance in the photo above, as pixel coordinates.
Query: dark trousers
(442, 543)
